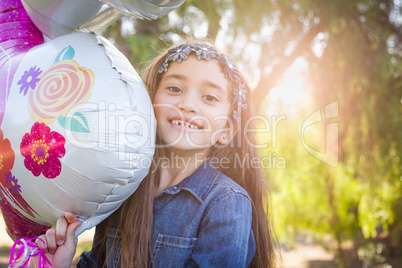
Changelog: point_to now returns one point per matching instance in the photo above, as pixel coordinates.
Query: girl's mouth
(184, 124)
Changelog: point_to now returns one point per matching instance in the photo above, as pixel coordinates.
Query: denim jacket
(204, 221)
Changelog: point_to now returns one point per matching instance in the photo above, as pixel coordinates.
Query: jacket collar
(199, 183)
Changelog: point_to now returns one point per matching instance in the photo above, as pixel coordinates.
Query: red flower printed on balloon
(63, 89)
(42, 149)
(7, 157)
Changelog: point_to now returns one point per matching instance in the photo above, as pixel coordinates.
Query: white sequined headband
(206, 52)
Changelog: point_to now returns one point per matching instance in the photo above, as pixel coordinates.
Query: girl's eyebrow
(176, 76)
(206, 82)
(213, 85)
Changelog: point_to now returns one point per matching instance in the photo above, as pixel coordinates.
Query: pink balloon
(18, 34)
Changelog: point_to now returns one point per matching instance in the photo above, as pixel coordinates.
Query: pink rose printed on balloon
(42, 149)
(63, 89)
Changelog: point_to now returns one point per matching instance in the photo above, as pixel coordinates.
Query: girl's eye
(210, 98)
(174, 89)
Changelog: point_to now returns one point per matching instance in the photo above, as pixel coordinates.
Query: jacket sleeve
(225, 236)
(86, 261)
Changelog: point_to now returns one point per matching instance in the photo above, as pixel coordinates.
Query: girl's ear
(226, 134)
(224, 138)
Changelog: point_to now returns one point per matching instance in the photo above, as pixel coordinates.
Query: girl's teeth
(184, 124)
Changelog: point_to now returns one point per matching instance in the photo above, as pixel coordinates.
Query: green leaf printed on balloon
(66, 53)
(75, 123)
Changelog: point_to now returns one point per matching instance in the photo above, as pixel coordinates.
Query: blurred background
(326, 77)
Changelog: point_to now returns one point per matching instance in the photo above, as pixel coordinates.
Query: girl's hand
(60, 243)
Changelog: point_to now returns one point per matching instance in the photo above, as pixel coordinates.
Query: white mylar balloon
(148, 9)
(78, 131)
(58, 17)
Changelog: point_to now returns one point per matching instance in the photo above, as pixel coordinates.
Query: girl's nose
(188, 103)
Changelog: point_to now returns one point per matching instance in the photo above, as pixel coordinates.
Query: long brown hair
(135, 215)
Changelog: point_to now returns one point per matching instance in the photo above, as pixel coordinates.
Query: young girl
(203, 203)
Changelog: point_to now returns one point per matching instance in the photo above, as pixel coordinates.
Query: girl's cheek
(157, 94)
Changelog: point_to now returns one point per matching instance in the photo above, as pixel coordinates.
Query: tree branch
(266, 83)
(210, 11)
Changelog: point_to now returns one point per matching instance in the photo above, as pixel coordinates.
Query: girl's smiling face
(192, 105)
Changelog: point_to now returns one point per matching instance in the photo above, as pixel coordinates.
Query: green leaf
(66, 53)
(75, 123)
